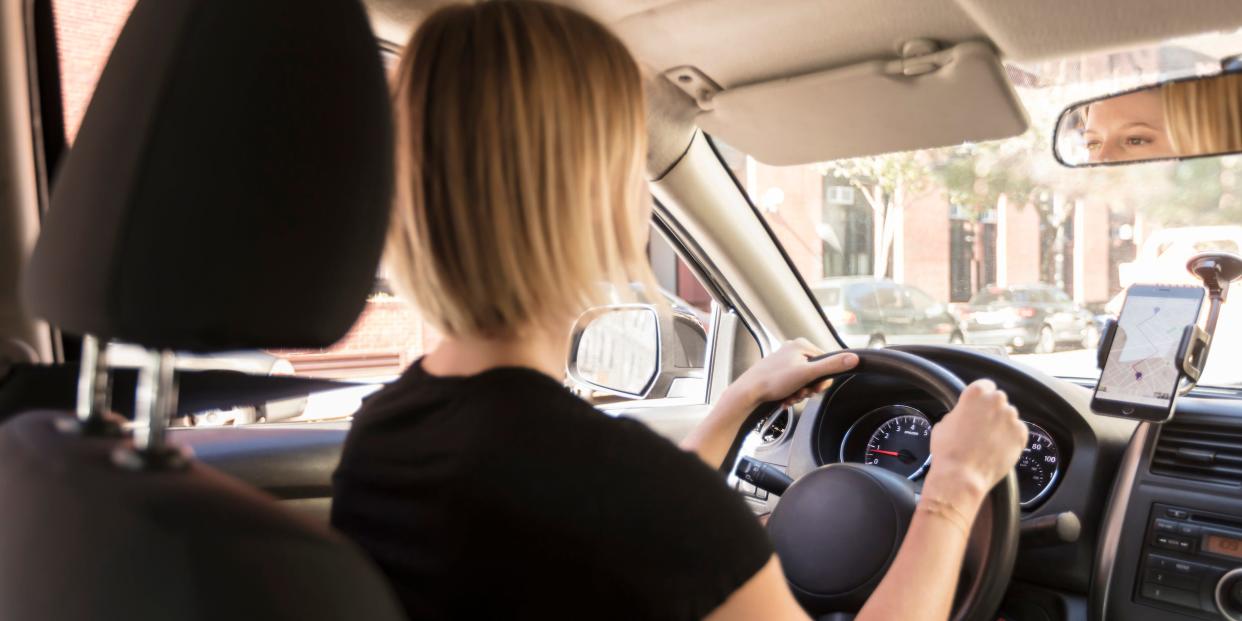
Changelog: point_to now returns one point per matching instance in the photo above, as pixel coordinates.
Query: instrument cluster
(898, 438)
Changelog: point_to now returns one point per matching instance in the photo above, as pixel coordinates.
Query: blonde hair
(1204, 116)
(520, 156)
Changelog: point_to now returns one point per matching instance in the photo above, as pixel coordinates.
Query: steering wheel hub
(838, 529)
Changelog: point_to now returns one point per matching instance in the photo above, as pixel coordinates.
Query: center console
(1171, 547)
(1192, 562)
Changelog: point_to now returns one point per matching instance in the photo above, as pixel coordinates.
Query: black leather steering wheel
(837, 529)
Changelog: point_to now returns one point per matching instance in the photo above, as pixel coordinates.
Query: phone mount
(1216, 270)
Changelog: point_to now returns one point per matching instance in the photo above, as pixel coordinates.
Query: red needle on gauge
(892, 453)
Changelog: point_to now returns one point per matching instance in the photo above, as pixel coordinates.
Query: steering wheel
(837, 529)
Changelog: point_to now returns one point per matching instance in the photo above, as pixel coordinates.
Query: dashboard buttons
(1179, 597)
(1166, 526)
(1167, 578)
(1173, 542)
(1172, 565)
(1178, 514)
(1174, 581)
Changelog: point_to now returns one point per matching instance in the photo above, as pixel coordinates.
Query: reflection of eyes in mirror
(1201, 116)
(1126, 128)
(619, 350)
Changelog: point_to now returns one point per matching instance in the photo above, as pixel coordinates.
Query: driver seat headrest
(230, 184)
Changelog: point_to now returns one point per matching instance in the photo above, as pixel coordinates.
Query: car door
(900, 321)
(863, 301)
(1064, 316)
(932, 324)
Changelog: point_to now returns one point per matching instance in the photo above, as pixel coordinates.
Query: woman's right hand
(974, 447)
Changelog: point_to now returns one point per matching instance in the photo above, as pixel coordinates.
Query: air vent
(1200, 450)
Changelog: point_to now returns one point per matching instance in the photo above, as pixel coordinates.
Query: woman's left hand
(787, 374)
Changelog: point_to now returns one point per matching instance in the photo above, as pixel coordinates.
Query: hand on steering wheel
(792, 373)
(975, 445)
(836, 529)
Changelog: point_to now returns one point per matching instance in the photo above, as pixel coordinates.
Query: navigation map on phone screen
(1141, 367)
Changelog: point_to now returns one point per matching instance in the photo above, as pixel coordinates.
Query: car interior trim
(1114, 517)
(699, 262)
(19, 192)
(772, 235)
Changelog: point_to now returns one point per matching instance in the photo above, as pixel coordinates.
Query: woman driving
(484, 488)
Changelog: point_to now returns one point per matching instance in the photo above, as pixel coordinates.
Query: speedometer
(1038, 467)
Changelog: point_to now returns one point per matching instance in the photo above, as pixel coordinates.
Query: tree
(885, 181)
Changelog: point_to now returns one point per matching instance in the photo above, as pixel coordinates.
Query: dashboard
(1069, 464)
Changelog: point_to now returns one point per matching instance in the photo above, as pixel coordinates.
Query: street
(1224, 366)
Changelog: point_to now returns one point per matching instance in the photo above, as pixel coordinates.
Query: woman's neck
(542, 350)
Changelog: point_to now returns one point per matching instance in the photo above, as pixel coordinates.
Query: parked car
(1028, 318)
(872, 312)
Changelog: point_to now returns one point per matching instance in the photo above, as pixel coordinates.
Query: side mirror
(637, 352)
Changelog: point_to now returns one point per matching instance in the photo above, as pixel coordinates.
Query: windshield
(1016, 252)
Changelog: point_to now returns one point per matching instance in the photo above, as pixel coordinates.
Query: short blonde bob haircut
(1204, 116)
(520, 156)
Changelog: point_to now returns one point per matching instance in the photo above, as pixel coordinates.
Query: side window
(86, 30)
(828, 297)
(919, 300)
(863, 298)
(888, 297)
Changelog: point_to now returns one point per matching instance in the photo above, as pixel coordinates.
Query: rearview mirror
(1191, 117)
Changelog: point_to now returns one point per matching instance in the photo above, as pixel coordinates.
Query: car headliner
(738, 42)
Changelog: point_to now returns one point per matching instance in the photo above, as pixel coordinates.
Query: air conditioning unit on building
(840, 195)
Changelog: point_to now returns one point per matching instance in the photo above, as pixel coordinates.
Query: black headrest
(230, 183)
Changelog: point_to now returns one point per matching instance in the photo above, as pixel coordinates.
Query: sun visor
(960, 94)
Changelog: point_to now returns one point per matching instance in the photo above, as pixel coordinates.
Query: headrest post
(156, 400)
(95, 389)
(155, 403)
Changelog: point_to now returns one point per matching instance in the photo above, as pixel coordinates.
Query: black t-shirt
(502, 495)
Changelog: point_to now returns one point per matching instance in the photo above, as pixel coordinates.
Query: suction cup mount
(1216, 270)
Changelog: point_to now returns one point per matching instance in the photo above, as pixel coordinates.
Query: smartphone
(1141, 371)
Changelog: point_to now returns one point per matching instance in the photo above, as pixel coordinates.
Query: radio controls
(1200, 569)
(1170, 579)
(1180, 597)
(1166, 526)
(1229, 595)
(1171, 565)
(1173, 542)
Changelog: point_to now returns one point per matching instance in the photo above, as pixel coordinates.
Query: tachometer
(1038, 467)
(902, 444)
